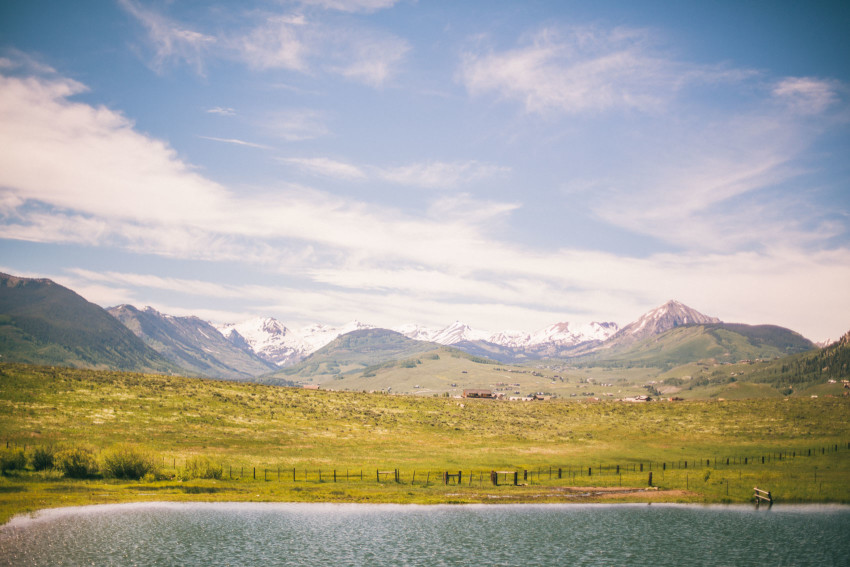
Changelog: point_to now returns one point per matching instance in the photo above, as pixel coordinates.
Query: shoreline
(473, 496)
(23, 520)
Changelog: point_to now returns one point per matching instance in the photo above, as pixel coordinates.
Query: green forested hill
(42, 322)
(722, 342)
(353, 352)
(822, 365)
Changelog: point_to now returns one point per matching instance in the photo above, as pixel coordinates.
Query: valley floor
(697, 451)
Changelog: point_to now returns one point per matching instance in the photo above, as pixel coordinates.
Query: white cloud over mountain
(417, 217)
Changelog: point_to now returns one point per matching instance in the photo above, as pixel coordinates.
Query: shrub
(12, 460)
(76, 462)
(42, 458)
(128, 461)
(201, 467)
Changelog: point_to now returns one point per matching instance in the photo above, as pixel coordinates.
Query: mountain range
(43, 322)
(272, 341)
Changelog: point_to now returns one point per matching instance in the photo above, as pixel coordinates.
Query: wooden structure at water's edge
(762, 496)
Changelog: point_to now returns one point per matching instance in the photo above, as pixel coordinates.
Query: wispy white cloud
(222, 110)
(328, 168)
(430, 174)
(442, 175)
(236, 142)
(351, 5)
(806, 95)
(276, 43)
(170, 40)
(367, 57)
(77, 173)
(281, 40)
(297, 124)
(573, 71)
(583, 69)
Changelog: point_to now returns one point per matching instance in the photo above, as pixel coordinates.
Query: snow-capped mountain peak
(273, 341)
(458, 332)
(665, 317)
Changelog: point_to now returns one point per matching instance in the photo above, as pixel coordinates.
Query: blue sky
(507, 164)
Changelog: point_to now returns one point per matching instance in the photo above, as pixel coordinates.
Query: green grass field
(246, 428)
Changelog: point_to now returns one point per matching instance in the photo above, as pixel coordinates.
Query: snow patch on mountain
(273, 341)
(560, 334)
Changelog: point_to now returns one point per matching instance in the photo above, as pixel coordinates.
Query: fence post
(650, 479)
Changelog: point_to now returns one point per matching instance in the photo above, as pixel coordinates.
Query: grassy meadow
(258, 435)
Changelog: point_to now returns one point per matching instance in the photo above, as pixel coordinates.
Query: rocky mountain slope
(192, 343)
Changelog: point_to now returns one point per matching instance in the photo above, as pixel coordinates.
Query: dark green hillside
(42, 322)
(354, 352)
(803, 370)
(721, 342)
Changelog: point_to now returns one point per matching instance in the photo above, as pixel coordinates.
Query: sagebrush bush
(201, 467)
(42, 458)
(128, 462)
(12, 460)
(76, 462)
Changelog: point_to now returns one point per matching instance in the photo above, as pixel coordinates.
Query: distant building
(472, 393)
(311, 386)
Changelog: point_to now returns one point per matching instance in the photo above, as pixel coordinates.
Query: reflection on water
(375, 535)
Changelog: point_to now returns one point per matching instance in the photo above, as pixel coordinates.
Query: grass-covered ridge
(243, 427)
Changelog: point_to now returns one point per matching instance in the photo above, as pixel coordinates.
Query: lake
(231, 534)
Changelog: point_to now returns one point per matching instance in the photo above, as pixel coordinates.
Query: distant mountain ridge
(274, 342)
(44, 323)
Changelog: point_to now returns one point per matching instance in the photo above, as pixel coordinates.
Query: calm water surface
(376, 535)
